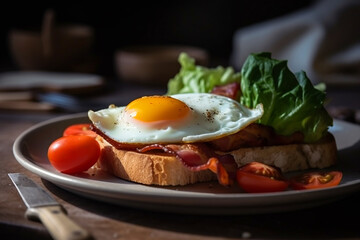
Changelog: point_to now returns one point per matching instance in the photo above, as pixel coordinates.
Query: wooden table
(339, 219)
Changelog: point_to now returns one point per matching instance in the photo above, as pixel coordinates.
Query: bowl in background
(154, 65)
(54, 47)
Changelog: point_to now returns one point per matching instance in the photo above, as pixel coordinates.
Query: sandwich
(213, 121)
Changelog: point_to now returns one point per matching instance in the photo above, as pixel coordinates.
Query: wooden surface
(106, 221)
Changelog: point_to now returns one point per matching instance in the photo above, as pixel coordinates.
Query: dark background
(206, 24)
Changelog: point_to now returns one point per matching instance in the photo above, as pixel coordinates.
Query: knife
(42, 206)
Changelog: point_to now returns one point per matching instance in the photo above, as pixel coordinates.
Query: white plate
(30, 150)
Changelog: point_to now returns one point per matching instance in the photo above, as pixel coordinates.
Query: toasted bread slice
(292, 157)
(164, 169)
(147, 168)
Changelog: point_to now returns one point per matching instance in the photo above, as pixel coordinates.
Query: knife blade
(42, 206)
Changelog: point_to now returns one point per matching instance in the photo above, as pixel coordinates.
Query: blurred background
(320, 37)
(206, 24)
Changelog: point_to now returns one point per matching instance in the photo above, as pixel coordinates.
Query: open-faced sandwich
(213, 122)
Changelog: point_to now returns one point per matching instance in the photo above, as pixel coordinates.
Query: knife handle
(58, 223)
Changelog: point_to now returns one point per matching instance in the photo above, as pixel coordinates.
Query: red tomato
(74, 153)
(79, 129)
(315, 180)
(256, 177)
(230, 90)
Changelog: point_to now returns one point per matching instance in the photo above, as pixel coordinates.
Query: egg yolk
(159, 110)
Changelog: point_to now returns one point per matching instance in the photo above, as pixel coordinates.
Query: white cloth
(323, 40)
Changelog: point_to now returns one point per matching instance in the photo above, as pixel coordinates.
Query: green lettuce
(198, 79)
(291, 103)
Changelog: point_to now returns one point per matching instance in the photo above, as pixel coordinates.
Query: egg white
(211, 117)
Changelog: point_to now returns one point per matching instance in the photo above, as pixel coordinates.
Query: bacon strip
(117, 145)
(198, 157)
(255, 135)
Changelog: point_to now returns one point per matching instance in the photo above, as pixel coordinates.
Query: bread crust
(292, 157)
(148, 169)
(163, 169)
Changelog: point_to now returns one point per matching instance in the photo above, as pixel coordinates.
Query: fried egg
(180, 118)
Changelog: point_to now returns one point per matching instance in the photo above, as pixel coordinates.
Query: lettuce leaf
(291, 103)
(198, 79)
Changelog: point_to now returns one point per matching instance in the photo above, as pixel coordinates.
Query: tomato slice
(74, 153)
(230, 90)
(257, 177)
(79, 129)
(316, 180)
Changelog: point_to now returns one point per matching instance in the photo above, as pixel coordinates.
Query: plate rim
(173, 197)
